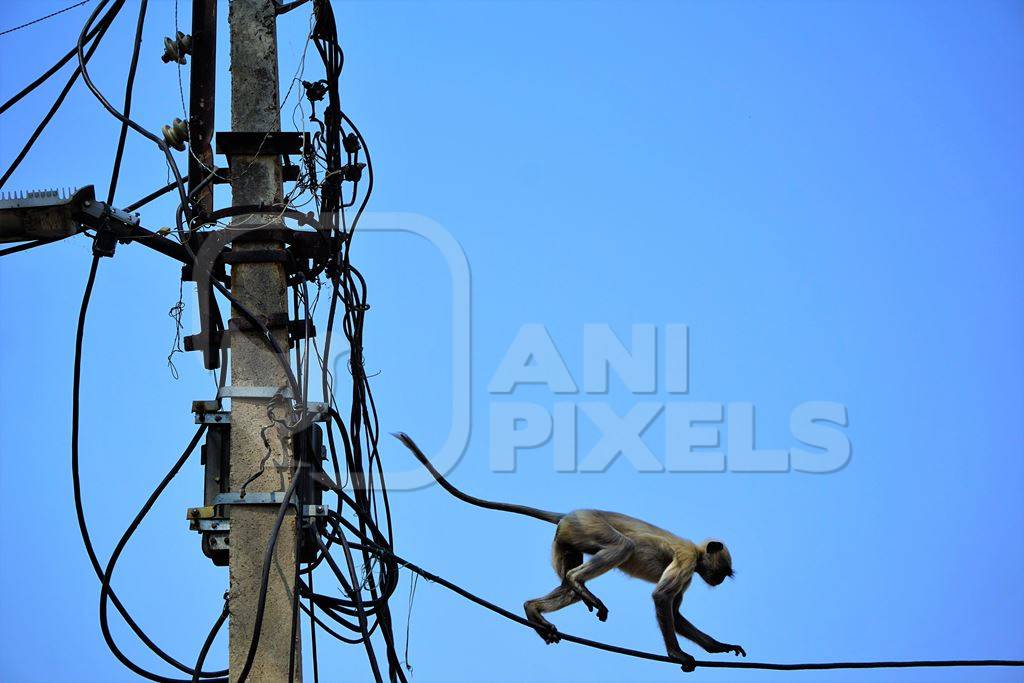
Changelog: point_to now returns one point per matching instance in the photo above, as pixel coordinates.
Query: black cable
(51, 14)
(311, 611)
(209, 640)
(706, 664)
(25, 246)
(116, 554)
(129, 86)
(98, 34)
(45, 76)
(151, 196)
(359, 611)
(87, 79)
(76, 480)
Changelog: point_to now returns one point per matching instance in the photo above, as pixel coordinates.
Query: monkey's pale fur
(616, 541)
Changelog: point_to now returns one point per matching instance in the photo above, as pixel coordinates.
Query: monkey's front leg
(687, 630)
(664, 596)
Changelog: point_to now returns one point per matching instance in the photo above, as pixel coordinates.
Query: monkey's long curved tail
(543, 515)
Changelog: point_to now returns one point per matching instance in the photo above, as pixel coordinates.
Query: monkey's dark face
(715, 564)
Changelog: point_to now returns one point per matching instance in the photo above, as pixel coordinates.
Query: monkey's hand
(718, 648)
(687, 661)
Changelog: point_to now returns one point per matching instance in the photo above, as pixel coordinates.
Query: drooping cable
(84, 58)
(25, 246)
(36, 21)
(710, 664)
(45, 76)
(76, 480)
(208, 643)
(127, 109)
(105, 589)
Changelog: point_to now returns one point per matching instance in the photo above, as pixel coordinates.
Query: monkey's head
(714, 564)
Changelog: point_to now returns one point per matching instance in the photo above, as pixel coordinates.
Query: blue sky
(827, 194)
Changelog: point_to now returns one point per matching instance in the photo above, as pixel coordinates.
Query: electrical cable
(98, 34)
(209, 640)
(76, 480)
(311, 610)
(25, 246)
(51, 14)
(816, 666)
(129, 86)
(44, 77)
(105, 589)
(136, 205)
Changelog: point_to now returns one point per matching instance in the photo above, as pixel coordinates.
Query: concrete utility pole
(262, 288)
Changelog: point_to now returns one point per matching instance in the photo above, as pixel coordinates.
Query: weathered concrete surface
(261, 287)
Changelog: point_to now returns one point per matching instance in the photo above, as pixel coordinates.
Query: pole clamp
(254, 498)
(238, 391)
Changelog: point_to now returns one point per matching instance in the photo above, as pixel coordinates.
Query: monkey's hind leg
(563, 596)
(618, 550)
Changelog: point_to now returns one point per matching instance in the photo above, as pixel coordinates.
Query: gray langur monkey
(612, 540)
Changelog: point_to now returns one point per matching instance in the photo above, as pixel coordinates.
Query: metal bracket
(222, 525)
(269, 143)
(257, 256)
(206, 512)
(236, 391)
(220, 417)
(260, 498)
(317, 409)
(254, 498)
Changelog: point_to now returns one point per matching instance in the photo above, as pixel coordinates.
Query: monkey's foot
(548, 633)
(593, 603)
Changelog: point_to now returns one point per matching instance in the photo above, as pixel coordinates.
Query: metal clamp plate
(254, 498)
(236, 391)
(221, 417)
(319, 412)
